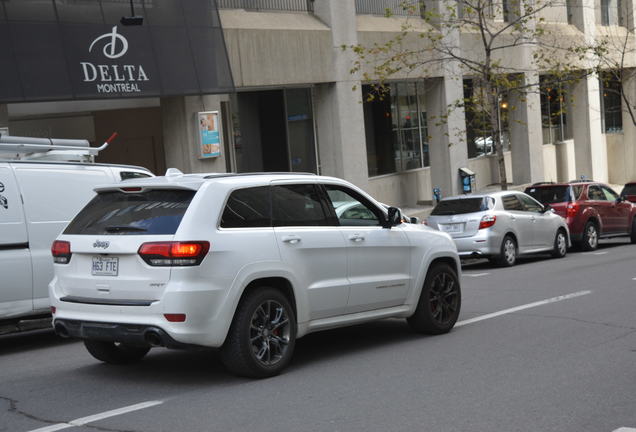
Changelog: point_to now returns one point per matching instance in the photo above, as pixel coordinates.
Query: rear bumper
(485, 243)
(132, 334)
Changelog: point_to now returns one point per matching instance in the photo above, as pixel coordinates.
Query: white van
(38, 197)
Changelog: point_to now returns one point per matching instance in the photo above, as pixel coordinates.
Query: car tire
(508, 253)
(560, 244)
(589, 242)
(262, 337)
(440, 302)
(632, 235)
(114, 352)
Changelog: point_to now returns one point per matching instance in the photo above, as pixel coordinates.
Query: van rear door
(15, 259)
(53, 194)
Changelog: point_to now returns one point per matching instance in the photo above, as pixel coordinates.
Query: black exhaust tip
(153, 338)
(61, 331)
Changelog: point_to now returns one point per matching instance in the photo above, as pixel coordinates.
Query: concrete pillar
(526, 141)
(180, 132)
(4, 116)
(589, 142)
(447, 146)
(629, 129)
(339, 111)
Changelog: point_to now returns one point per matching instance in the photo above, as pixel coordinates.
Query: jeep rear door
(15, 259)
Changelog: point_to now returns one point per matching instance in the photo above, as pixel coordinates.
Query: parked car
(245, 263)
(629, 192)
(500, 226)
(592, 210)
(37, 199)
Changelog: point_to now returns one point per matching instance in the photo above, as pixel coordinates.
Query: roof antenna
(132, 19)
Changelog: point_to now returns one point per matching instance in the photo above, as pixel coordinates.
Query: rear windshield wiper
(122, 228)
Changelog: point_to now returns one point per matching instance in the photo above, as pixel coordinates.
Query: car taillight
(487, 221)
(573, 209)
(167, 254)
(61, 251)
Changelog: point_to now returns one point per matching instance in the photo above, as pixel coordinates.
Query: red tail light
(573, 209)
(487, 221)
(53, 310)
(61, 251)
(175, 317)
(179, 254)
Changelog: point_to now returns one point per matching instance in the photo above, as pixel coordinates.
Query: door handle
(291, 239)
(356, 238)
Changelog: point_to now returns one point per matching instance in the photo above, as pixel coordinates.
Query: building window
(479, 133)
(610, 88)
(507, 10)
(611, 13)
(396, 129)
(554, 111)
(569, 8)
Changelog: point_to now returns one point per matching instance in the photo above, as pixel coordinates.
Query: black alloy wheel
(440, 302)
(262, 336)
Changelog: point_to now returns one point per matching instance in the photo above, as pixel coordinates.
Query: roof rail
(27, 148)
(213, 176)
(543, 183)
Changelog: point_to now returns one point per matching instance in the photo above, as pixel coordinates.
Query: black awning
(63, 49)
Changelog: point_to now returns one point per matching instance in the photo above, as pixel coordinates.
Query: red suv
(592, 210)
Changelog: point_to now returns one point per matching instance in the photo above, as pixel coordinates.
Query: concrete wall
(405, 189)
(180, 132)
(550, 170)
(486, 169)
(620, 170)
(566, 161)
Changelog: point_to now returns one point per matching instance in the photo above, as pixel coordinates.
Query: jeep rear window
(629, 189)
(118, 213)
(460, 206)
(550, 194)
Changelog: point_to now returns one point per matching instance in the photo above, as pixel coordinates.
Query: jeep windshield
(120, 213)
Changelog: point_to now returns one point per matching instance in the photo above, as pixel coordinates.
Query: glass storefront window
(479, 134)
(554, 107)
(610, 88)
(396, 131)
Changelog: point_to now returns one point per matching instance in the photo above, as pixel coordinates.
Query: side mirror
(547, 208)
(620, 199)
(394, 218)
(415, 220)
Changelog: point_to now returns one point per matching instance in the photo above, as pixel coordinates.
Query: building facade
(279, 87)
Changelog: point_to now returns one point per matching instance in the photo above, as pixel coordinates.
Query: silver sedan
(501, 226)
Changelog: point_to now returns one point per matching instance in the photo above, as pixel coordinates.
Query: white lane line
(101, 416)
(625, 429)
(475, 274)
(522, 307)
(594, 253)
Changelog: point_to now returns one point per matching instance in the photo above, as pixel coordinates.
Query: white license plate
(105, 266)
(452, 228)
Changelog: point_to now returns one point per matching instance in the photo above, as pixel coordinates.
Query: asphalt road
(566, 364)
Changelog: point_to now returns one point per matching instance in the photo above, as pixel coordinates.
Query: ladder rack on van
(49, 149)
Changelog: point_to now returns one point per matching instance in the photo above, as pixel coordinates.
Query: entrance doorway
(274, 131)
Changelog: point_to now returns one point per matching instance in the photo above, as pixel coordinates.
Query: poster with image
(209, 134)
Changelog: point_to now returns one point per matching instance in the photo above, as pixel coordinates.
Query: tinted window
(629, 189)
(113, 213)
(127, 175)
(298, 205)
(511, 202)
(352, 209)
(460, 206)
(248, 208)
(530, 204)
(595, 193)
(550, 194)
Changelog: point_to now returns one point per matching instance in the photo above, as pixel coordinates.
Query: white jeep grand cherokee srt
(244, 262)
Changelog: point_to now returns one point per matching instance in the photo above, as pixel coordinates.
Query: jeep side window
(298, 205)
(248, 208)
(352, 209)
(610, 195)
